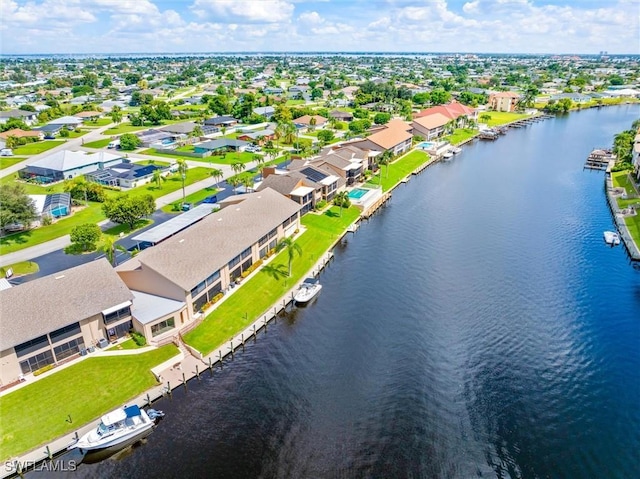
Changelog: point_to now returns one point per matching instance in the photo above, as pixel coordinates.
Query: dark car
(210, 199)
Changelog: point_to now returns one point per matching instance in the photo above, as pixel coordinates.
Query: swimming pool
(357, 193)
(426, 145)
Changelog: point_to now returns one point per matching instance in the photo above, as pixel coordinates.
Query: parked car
(210, 199)
(6, 152)
(186, 206)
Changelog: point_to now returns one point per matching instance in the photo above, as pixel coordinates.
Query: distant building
(503, 101)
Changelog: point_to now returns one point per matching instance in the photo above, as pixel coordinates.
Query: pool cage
(57, 205)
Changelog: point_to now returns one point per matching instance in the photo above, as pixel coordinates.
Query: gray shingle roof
(43, 305)
(193, 254)
(285, 184)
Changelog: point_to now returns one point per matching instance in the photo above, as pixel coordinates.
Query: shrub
(64, 133)
(46, 220)
(138, 338)
(44, 369)
(251, 268)
(320, 205)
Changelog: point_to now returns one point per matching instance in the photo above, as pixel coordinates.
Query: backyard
(98, 143)
(83, 391)
(398, 170)
(256, 295)
(459, 135)
(37, 147)
(502, 117)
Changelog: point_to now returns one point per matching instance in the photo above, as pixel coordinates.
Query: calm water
(477, 327)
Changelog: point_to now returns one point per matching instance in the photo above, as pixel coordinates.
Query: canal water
(478, 326)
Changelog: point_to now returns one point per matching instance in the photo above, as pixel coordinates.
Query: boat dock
(371, 209)
(600, 159)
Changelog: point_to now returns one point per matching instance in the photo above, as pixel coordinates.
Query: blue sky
(501, 26)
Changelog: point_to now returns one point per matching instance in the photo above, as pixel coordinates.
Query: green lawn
(258, 294)
(21, 268)
(17, 241)
(36, 414)
(153, 152)
(399, 169)
(33, 188)
(7, 161)
(295, 102)
(152, 162)
(98, 122)
(124, 128)
(192, 198)
(37, 148)
(128, 344)
(98, 143)
(116, 230)
(77, 134)
(228, 159)
(503, 117)
(173, 183)
(633, 223)
(621, 179)
(459, 135)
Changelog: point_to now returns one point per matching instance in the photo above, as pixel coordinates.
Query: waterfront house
(503, 101)
(395, 139)
(200, 262)
(431, 126)
(67, 164)
(453, 111)
(635, 154)
(295, 186)
(346, 162)
(54, 318)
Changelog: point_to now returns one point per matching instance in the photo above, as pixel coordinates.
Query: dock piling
(48, 451)
(197, 373)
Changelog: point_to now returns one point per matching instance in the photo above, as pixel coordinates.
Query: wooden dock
(366, 214)
(600, 159)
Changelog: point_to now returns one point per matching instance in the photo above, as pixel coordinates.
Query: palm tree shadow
(332, 214)
(277, 271)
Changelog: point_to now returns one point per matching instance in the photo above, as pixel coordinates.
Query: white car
(6, 152)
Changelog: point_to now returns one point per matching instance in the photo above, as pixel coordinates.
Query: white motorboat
(308, 290)
(447, 155)
(456, 150)
(117, 427)
(612, 238)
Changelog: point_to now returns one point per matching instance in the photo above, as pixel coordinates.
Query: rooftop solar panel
(313, 175)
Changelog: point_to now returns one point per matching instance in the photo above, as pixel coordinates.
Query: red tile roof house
(19, 133)
(453, 111)
(306, 121)
(503, 101)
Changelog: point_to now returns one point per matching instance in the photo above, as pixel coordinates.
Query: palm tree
(217, 174)
(312, 123)
(158, 178)
(292, 249)
(238, 167)
(342, 199)
(235, 182)
(116, 114)
(182, 171)
(247, 181)
(197, 132)
(109, 247)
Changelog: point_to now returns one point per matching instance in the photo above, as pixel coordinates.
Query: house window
(234, 261)
(64, 333)
(36, 362)
(163, 327)
(198, 289)
(215, 276)
(268, 236)
(68, 349)
(31, 346)
(117, 315)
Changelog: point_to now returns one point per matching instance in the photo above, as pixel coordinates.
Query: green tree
(197, 132)
(108, 246)
(247, 181)
(128, 210)
(234, 181)
(116, 114)
(325, 136)
(15, 206)
(217, 174)
(129, 141)
(85, 236)
(342, 200)
(158, 178)
(292, 248)
(183, 167)
(238, 167)
(382, 118)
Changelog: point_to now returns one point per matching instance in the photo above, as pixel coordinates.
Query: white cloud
(471, 7)
(255, 11)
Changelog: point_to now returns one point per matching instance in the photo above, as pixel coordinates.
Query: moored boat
(308, 290)
(447, 155)
(117, 427)
(612, 238)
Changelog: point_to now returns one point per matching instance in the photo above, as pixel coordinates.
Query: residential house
(503, 101)
(259, 136)
(431, 126)
(310, 122)
(346, 162)
(52, 319)
(67, 164)
(125, 174)
(221, 121)
(295, 186)
(202, 261)
(395, 139)
(89, 115)
(53, 205)
(266, 111)
(19, 133)
(28, 117)
(186, 128)
(221, 144)
(341, 115)
(157, 138)
(328, 182)
(273, 90)
(69, 122)
(454, 111)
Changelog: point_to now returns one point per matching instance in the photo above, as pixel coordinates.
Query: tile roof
(45, 304)
(432, 121)
(19, 133)
(390, 137)
(452, 110)
(193, 254)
